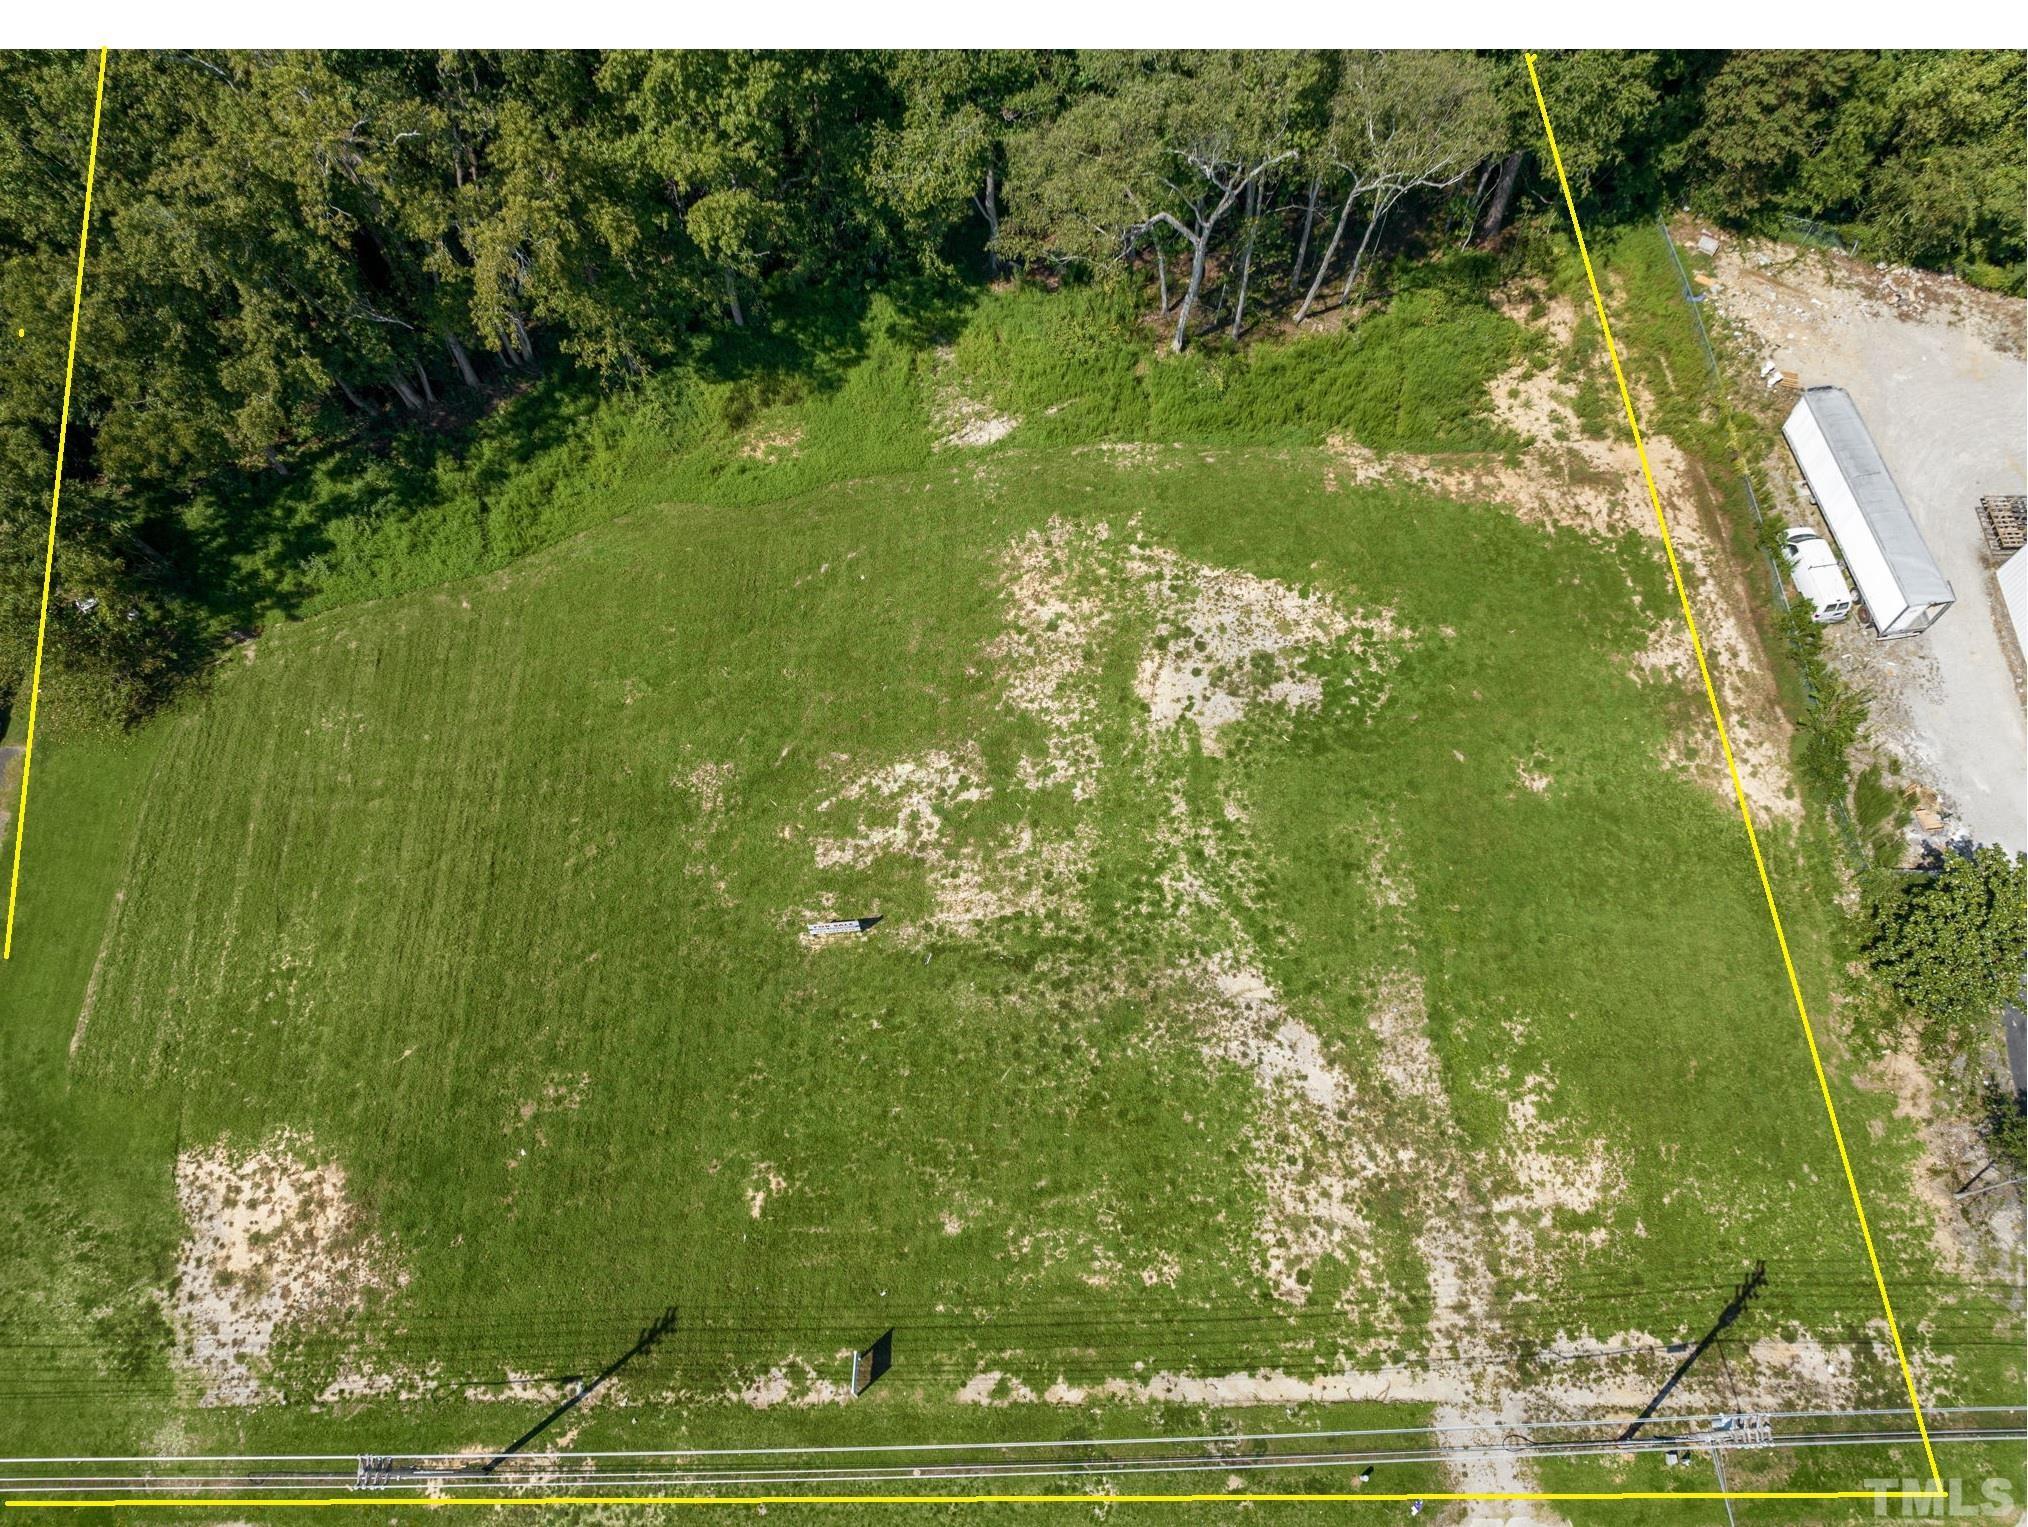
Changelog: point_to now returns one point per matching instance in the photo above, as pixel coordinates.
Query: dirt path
(10, 782)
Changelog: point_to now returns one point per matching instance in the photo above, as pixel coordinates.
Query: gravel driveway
(1938, 376)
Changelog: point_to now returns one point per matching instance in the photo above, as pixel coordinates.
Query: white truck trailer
(1903, 589)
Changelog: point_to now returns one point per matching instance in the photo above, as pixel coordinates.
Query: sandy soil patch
(1561, 478)
(978, 886)
(1552, 1174)
(1314, 1170)
(994, 1388)
(709, 785)
(1784, 291)
(1226, 641)
(1558, 476)
(271, 1241)
(1222, 641)
(903, 807)
(769, 446)
(962, 422)
(764, 1183)
(1057, 614)
(793, 1383)
(1952, 1151)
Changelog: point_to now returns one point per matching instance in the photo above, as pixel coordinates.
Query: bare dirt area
(273, 1241)
(10, 777)
(1222, 644)
(960, 421)
(1936, 369)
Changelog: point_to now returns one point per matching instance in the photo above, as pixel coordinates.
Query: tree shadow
(252, 546)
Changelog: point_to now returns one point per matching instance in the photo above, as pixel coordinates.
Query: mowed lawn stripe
(631, 1084)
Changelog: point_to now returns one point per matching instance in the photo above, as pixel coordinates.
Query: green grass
(401, 869)
(415, 510)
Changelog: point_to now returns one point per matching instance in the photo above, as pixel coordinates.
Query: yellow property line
(377, 1501)
(1738, 791)
(434, 1503)
(55, 497)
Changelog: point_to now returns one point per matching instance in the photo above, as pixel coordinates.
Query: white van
(1813, 568)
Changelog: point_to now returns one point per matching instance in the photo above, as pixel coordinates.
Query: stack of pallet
(2004, 518)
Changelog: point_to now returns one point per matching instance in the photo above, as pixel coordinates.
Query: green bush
(1950, 948)
(1830, 726)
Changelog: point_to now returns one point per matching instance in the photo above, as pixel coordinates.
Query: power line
(382, 1472)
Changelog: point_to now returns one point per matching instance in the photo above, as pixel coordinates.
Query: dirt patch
(994, 1388)
(1951, 1152)
(905, 808)
(10, 782)
(769, 446)
(979, 886)
(1057, 615)
(1557, 477)
(1313, 1171)
(1551, 1173)
(271, 1242)
(1408, 1061)
(1222, 641)
(709, 785)
(793, 1383)
(1784, 291)
(556, 1097)
(906, 803)
(1226, 641)
(962, 422)
(764, 1183)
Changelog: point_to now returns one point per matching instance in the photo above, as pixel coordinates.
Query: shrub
(1831, 723)
(1951, 947)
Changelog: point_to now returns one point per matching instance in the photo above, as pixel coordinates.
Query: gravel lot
(1936, 369)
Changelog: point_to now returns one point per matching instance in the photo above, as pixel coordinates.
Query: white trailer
(2014, 594)
(1903, 589)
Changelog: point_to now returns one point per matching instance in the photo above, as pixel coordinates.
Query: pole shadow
(1742, 1296)
(662, 1325)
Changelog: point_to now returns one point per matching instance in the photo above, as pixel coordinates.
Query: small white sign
(850, 925)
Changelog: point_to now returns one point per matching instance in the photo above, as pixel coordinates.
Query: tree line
(289, 245)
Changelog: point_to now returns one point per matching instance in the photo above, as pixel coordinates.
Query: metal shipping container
(1903, 589)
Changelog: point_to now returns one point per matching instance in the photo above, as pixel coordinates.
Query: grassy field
(1299, 952)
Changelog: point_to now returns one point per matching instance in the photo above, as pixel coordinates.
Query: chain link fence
(1847, 829)
(1807, 230)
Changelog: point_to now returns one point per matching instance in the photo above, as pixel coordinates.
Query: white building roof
(1879, 501)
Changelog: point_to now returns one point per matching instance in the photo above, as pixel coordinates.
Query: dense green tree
(947, 154)
(1163, 158)
(291, 247)
(1400, 122)
(1784, 131)
(1951, 948)
(1621, 119)
(1949, 191)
